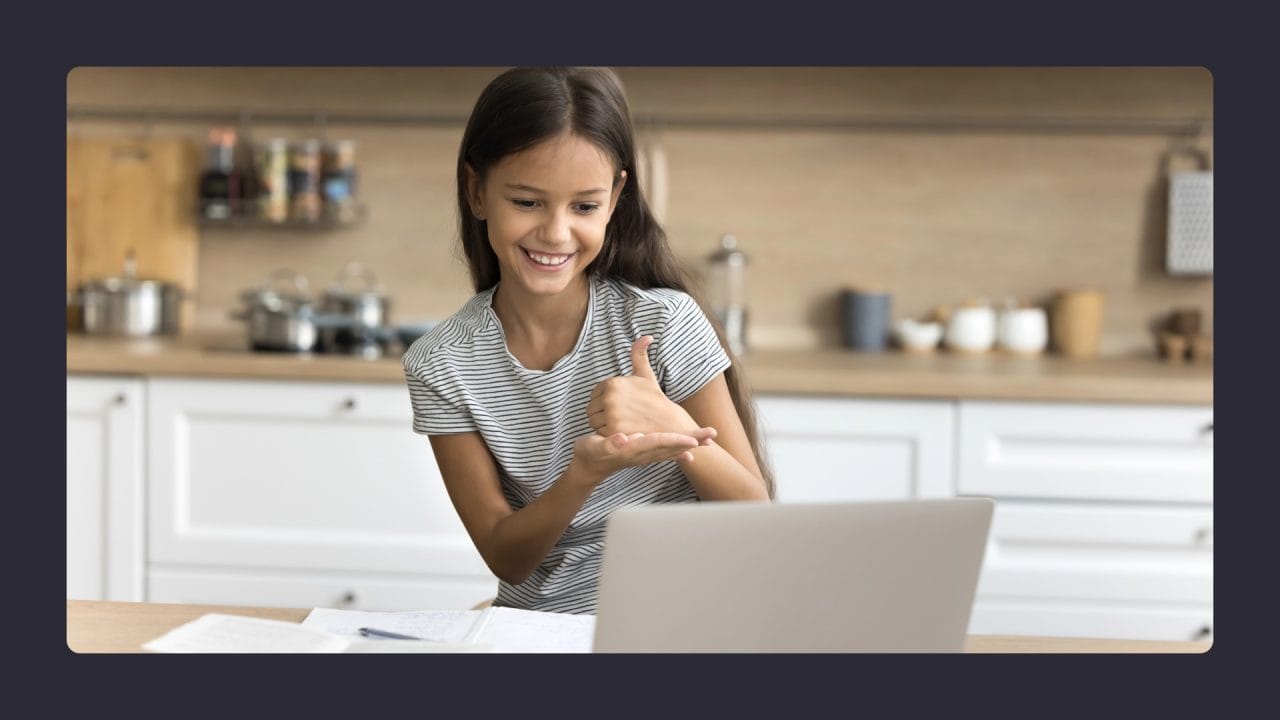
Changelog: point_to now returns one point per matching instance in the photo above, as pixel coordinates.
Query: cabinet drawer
(1099, 552)
(1092, 620)
(250, 586)
(1086, 451)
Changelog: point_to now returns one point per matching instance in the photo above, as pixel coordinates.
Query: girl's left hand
(635, 403)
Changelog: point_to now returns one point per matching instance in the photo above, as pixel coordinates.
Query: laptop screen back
(888, 576)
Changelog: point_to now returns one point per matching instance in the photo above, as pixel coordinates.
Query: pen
(374, 632)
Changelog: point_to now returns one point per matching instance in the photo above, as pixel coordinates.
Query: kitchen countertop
(1131, 379)
(99, 626)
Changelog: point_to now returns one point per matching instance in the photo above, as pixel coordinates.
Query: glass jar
(304, 181)
(727, 291)
(338, 181)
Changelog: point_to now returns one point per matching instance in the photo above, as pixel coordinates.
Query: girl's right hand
(602, 456)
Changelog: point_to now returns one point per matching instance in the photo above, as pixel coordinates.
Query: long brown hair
(524, 106)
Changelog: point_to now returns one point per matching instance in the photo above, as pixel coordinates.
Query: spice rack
(256, 223)
(305, 183)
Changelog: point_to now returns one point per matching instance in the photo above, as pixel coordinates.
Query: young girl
(582, 376)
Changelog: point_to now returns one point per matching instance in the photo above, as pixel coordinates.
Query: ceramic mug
(864, 318)
(1023, 330)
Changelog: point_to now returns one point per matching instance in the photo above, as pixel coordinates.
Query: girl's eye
(580, 208)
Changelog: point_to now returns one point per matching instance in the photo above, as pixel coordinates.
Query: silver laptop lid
(888, 576)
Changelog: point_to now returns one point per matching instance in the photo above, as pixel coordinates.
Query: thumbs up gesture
(635, 403)
(640, 359)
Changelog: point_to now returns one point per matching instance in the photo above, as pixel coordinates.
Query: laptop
(882, 576)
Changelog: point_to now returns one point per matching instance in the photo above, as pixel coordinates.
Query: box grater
(1190, 232)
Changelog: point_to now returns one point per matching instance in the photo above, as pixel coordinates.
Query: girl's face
(546, 208)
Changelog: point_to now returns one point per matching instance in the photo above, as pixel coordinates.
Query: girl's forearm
(717, 475)
(520, 541)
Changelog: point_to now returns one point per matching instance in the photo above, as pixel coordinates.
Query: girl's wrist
(583, 473)
(681, 421)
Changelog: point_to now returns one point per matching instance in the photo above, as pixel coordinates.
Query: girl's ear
(617, 191)
(474, 197)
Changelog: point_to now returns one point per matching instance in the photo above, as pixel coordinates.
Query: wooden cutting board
(133, 193)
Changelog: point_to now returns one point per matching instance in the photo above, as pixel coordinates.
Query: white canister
(971, 329)
(1023, 330)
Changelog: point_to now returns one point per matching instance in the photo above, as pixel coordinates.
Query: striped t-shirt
(462, 379)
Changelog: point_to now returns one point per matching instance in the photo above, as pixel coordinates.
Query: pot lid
(127, 281)
(367, 287)
(273, 296)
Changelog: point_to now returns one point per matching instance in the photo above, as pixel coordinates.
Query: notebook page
(219, 633)
(529, 631)
(445, 626)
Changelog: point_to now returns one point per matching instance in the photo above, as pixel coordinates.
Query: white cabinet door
(1086, 451)
(105, 518)
(842, 449)
(298, 476)
(1139, 571)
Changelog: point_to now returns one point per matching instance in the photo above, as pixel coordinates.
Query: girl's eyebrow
(532, 189)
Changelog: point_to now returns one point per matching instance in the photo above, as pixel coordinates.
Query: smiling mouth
(545, 259)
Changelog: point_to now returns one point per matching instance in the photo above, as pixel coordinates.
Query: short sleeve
(686, 352)
(438, 408)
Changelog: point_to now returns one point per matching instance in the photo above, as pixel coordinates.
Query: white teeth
(548, 259)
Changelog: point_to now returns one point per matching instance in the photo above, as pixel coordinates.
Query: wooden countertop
(1135, 379)
(95, 626)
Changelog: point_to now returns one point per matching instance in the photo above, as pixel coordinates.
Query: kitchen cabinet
(1103, 524)
(1104, 519)
(300, 493)
(310, 493)
(848, 449)
(105, 512)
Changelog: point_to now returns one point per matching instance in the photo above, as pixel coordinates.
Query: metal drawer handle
(1204, 534)
(119, 399)
(348, 598)
(1206, 430)
(1203, 633)
(349, 404)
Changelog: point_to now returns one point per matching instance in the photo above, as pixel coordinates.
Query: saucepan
(127, 305)
(285, 319)
(364, 301)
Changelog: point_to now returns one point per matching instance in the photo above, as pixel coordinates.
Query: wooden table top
(97, 626)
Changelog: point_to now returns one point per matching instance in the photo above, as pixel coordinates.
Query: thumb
(640, 357)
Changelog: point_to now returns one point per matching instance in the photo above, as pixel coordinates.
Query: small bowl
(916, 336)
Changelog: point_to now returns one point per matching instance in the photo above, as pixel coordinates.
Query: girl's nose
(556, 228)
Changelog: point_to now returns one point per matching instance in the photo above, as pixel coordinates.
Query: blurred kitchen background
(939, 185)
(921, 205)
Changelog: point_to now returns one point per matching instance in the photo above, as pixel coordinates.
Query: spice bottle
(727, 291)
(219, 184)
(338, 180)
(304, 181)
(271, 161)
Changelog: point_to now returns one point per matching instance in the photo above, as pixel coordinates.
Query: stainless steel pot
(284, 321)
(129, 305)
(364, 304)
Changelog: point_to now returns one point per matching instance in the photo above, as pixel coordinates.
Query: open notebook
(494, 629)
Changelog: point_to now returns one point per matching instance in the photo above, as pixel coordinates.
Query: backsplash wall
(935, 216)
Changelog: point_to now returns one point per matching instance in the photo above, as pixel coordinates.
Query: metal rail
(1188, 127)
